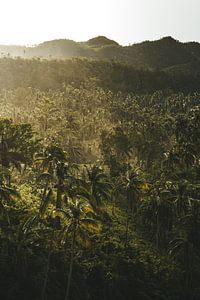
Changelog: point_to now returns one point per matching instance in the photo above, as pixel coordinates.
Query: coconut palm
(100, 187)
(132, 190)
(78, 222)
(13, 141)
(7, 194)
(52, 163)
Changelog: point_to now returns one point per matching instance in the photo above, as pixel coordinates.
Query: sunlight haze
(126, 21)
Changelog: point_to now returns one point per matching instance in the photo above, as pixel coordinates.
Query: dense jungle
(100, 171)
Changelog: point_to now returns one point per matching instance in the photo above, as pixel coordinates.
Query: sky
(29, 22)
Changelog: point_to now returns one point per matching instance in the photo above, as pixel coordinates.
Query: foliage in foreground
(102, 202)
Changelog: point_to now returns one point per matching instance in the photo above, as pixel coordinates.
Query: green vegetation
(109, 75)
(159, 54)
(99, 178)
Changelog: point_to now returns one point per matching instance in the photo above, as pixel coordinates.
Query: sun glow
(127, 21)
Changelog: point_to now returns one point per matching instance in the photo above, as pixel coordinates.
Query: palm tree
(59, 183)
(100, 186)
(181, 199)
(16, 147)
(78, 220)
(117, 187)
(183, 249)
(47, 193)
(164, 214)
(7, 194)
(132, 189)
(53, 165)
(50, 157)
(50, 161)
(10, 157)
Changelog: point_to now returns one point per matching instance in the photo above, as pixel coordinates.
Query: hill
(100, 171)
(52, 74)
(163, 53)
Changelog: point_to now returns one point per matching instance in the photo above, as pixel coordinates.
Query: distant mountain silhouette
(153, 55)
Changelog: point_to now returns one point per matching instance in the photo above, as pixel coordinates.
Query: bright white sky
(126, 21)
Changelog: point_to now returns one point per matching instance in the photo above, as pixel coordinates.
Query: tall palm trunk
(58, 202)
(59, 193)
(158, 231)
(127, 229)
(45, 190)
(48, 265)
(71, 263)
(114, 204)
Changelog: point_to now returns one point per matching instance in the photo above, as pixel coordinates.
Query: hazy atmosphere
(126, 21)
(99, 150)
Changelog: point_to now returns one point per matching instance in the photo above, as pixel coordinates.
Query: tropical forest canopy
(100, 171)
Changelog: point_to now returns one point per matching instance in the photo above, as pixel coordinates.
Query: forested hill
(160, 54)
(52, 74)
(100, 171)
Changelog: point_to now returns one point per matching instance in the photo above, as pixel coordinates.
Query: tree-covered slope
(100, 174)
(52, 74)
(158, 54)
